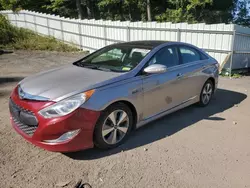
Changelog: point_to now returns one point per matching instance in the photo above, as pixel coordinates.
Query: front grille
(24, 119)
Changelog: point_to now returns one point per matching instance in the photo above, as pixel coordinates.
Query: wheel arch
(213, 81)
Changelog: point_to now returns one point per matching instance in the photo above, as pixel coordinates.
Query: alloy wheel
(207, 93)
(115, 127)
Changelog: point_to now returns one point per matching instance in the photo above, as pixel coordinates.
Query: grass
(236, 75)
(225, 73)
(12, 37)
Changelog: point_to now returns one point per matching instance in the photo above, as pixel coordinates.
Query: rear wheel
(113, 126)
(206, 93)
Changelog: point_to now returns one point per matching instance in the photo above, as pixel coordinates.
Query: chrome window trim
(187, 64)
(177, 67)
(177, 45)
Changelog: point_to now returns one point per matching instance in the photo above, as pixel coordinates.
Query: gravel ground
(194, 147)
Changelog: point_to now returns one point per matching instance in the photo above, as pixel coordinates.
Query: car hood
(65, 81)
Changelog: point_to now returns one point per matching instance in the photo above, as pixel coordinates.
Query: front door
(161, 91)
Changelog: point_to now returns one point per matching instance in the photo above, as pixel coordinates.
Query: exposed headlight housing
(66, 106)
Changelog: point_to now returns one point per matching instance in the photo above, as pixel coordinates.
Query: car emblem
(21, 93)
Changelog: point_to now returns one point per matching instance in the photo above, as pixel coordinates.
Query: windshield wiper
(91, 66)
(82, 64)
(115, 70)
(96, 67)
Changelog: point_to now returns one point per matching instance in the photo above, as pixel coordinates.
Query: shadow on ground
(5, 51)
(169, 125)
(6, 80)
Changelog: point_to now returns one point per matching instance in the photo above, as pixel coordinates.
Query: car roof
(142, 44)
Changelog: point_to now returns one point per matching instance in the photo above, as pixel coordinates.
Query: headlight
(66, 106)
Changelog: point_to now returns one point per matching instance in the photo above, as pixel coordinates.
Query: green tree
(243, 13)
(220, 11)
(111, 9)
(184, 10)
(66, 8)
(134, 10)
(209, 11)
(193, 11)
(16, 5)
(149, 10)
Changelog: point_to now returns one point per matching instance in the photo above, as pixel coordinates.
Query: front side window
(116, 58)
(167, 56)
(189, 55)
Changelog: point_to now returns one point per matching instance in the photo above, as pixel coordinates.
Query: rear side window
(203, 56)
(189, 55)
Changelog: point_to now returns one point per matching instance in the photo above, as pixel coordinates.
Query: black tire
(203, 103)
(99, 140)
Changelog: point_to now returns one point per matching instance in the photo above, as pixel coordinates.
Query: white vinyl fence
(219, 40)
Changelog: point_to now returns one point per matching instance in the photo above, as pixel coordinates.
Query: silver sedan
(99, 99)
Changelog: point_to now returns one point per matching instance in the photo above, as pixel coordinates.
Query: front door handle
(137, 90)
(179, 75)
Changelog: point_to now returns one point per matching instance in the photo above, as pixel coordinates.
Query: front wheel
(113, 126)
(206, 93)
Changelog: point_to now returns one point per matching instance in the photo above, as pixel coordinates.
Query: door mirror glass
(155, 69)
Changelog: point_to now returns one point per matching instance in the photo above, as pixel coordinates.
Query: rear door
(190, 72)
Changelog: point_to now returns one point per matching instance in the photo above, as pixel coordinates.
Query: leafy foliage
(66, 8)
(208, 11)
(243, 13)
(8, 32)
(19, 38)
(16, 5)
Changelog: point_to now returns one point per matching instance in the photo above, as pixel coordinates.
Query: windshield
(115, 58)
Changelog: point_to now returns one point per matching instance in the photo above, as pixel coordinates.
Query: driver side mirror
(155, 69)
